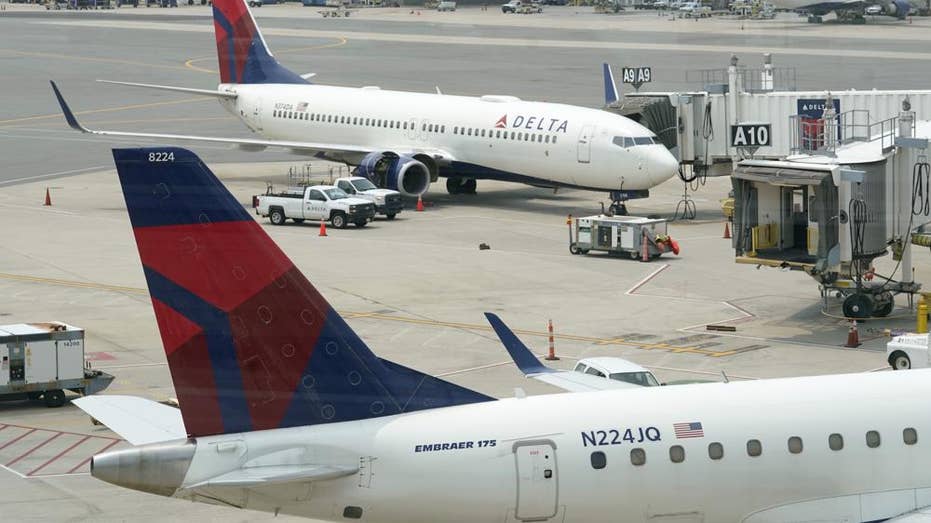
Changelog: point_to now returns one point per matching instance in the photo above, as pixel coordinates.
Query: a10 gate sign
(751, 135)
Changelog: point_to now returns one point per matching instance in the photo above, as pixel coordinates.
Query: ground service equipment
(620, 235)
(42, 360)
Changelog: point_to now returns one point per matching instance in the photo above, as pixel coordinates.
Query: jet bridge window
(676, 454)
(836, 442)
(599, 460)
(638, 457)
(910, 436)
(795, 445)
(872, 439)
(715, 451)
(754, 448)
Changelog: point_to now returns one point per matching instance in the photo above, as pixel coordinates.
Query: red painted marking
(224, 263)
(21, 436)
(99, 356)
(33, 449)
(175, 329)
(59, 455)
(86, 461)
(62, 431)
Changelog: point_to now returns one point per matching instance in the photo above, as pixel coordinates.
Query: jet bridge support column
(733, 90)
(907, 157)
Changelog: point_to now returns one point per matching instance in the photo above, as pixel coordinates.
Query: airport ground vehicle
(511, 7)
(694, 10)
(446, 5)
(617, 369)
(908, 351)
(316, 202)
(386, 201)
(42, 360)
(620, 235)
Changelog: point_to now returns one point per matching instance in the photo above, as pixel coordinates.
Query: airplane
(849, 9)
(284, 409)
(406, 140)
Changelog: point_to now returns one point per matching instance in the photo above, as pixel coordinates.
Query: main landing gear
(457, 185)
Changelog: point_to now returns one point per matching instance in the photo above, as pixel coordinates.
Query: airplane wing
(137, 420)
(340, 152)
(532, 367)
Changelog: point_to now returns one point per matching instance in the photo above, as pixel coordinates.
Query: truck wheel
(298, 220)
(390, 216)
(277, 217)
(900, 361)
(32, 396)
(54, 398)
(338, 220)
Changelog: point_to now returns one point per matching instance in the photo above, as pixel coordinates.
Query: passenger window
(483, 133)
(456, 130)
(470, 131)
(715, 451)
(443, 129)
(512, 135)
(795, 445)
(595, 372)
(638, 457)
(872, 439)
(554, 139)
(520, 136)
(754, 448)
(677, 453)
(599, 460)
(547, 139)
(910, 436)
(836, 442)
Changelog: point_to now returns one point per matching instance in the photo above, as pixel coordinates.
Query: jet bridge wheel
(858, 305)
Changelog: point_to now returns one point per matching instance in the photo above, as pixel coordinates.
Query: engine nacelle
(897, 8)
(408, 175)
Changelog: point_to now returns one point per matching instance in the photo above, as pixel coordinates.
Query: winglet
(611, 95)
(69, 116)
(522, 356)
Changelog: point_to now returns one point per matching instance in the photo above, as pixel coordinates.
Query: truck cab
(387, 202)
(617, 369)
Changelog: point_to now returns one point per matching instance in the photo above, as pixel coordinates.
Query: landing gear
(859, 306)
(457, 185)
(618, 205)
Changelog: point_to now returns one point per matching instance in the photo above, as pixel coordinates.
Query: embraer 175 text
(284, 409)
(404, 140)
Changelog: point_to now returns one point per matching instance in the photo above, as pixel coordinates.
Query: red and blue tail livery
(243, 55)
(251, 344)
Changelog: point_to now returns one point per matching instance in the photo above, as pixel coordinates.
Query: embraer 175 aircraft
(404, 141)
(284, 409)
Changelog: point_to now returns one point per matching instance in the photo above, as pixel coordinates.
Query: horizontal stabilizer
(261, 476)
(188, 90)
(137, 420)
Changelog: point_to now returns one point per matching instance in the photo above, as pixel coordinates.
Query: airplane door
(585, 143)
(537, 480)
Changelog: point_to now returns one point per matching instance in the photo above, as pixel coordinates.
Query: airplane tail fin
(611, 96)
(251, 344)
(241, 50)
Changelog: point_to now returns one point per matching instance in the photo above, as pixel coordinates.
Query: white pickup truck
(908, 351)
(386, 201)
(316, 202)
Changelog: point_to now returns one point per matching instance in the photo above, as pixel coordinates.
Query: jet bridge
(856, 190)
(695, 125)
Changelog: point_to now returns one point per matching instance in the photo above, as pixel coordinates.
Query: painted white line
(65, 475)
(644, 281)
(51, 175)
(129, 366)
(8, 469)
(471, 369)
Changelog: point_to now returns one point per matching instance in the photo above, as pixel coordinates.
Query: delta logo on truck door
(534, 123)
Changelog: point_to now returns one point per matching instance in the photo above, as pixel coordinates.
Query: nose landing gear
(457, 185)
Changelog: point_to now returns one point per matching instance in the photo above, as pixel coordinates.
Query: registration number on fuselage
(598, 438)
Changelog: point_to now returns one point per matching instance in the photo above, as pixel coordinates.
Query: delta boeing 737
(284, 409)
(405, 140)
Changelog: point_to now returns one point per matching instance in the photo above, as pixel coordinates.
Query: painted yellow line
(60, 56)
(190, 63)
(395, 318)
(106, 110)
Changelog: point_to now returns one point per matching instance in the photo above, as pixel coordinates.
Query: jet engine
(398, 172)
(897, 8)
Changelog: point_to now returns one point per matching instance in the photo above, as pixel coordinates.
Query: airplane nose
(663, 165)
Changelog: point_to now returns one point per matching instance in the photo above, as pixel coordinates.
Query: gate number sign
(751, 135)
(637, 76)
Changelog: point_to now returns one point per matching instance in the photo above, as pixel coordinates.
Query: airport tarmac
(414, 289)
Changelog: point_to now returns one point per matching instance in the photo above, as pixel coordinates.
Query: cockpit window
(628, 141)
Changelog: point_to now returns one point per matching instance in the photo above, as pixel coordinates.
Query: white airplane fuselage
(545, 143)
(492, 459)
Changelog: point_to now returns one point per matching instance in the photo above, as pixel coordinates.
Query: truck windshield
(363, 185)
(644, 379)
(336, 193)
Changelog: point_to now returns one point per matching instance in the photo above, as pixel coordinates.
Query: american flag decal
(688, 430)
(301, 107)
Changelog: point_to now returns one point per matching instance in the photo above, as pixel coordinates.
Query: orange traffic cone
(322, 227)
(48, 198)
(419, 204)
(853, 337)
(552, 354)
(727, 230)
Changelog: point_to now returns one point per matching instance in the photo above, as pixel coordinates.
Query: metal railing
(756, 80)
(824, 136)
